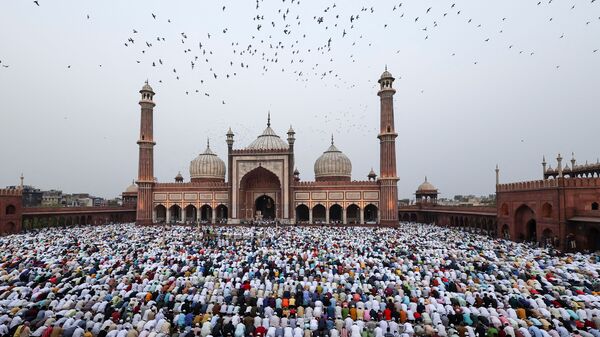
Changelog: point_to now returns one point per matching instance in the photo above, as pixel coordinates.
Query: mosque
(260, 182)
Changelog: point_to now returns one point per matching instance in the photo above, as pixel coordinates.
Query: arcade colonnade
(190, 213)
(319, 213)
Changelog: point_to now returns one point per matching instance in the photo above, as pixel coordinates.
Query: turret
(497, 175)
(291, 139)
(559, 167)
(544, 167)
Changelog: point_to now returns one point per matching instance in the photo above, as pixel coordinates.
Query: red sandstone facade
(561, 210)
(260, 182)
(388, 179)
(146, 144)
(10, 210)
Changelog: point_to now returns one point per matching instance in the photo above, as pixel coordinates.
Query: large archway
(206, 213)
(190, 213)
(370, 214)
(264, 208)
(175, 213)
(319, 213)
(525, 224)
(335, 214)
(260, 191)
(302, 213)
(353, 214)
(222, 214)
(160, 212)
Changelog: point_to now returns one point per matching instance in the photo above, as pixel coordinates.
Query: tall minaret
(291, 165)
(146, 160)
(388, 179)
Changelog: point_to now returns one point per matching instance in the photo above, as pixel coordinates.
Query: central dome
(333, 165)
(207, 167)
(268, 140)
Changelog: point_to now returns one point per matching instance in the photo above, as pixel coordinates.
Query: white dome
(333, 163)
(426, 186)
(132, 188)
(207, 166)
(268, 140)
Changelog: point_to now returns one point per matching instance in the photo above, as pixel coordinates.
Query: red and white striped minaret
(146, 159)
(388, 179)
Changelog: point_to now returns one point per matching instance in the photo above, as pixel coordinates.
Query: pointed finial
(425, 178)
(207, 142)
(146, 81)
(269, 119)
(497, 169)
(332, 139)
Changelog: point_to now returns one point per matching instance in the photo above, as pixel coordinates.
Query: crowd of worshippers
(123, 280)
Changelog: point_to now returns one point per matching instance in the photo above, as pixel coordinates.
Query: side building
(561, 210)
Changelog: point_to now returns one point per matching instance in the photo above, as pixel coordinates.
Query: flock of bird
(280, 40)
(296, 38)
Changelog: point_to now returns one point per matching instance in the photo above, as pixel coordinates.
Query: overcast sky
(70, 115)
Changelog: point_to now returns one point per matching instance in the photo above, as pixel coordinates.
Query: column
(362, 216)
(198, 213)
(378, 215)
(344, 216)
(154, 215)
(327, 215)
(214, 215)
(168, 215)
(310, 219)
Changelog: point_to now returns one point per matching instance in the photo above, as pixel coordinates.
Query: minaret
(559, 167)
(497, 175)
(544, 167)
(22, 184)
(229, 141)
(388, 179)
(291, 140)
(146, 159)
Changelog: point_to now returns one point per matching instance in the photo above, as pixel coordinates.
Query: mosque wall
(560, 211)
(11, 205)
